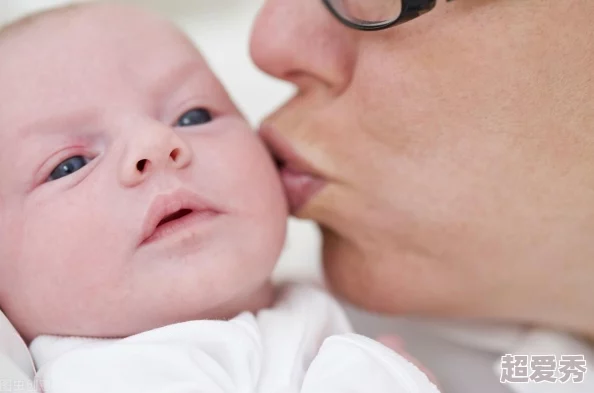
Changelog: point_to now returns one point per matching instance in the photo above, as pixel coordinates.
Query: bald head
(22, 23)
(98, 14)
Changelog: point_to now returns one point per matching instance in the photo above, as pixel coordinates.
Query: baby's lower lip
(300, 187)
(181, 225)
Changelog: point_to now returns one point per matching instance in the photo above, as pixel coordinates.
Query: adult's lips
(297, 175)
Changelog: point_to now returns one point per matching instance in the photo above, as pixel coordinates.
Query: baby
(140, 221)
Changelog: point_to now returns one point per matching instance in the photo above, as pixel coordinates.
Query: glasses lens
(368, 12)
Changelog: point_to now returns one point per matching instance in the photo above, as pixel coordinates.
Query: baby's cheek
(10, 239)
(258, 176)
(65, 243)
(262, 202)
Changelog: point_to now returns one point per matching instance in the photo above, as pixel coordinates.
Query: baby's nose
(160, 150)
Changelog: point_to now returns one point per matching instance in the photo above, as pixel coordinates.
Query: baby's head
(132, 192)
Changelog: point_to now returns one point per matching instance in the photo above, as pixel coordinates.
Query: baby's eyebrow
(56, 123)
(178, 74)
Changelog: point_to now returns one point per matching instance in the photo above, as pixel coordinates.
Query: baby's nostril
(140, 165)
(174, 154)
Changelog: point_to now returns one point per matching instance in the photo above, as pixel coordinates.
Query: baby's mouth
(176, 212)
(175, 216)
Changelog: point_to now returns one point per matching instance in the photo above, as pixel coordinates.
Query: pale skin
(458, 155)
(71, 260)
(71, 263)
(36, 307)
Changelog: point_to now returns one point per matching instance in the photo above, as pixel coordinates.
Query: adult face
(453, 154)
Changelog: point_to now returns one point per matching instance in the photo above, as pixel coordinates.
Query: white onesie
(303, 344)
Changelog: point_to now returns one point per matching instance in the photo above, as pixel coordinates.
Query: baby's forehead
(90, 15)
(78, 32)
(91, 51)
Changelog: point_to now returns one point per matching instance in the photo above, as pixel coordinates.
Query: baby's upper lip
(166, 204)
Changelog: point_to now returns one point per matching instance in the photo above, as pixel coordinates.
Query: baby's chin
(263, 297)
(149, 317)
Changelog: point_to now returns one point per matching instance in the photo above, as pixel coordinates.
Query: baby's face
(132, 192)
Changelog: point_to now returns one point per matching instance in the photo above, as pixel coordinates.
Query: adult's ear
(16, 363)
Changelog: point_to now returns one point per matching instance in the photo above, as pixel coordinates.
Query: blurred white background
(221, 29)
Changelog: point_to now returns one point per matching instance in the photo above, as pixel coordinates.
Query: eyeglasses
(377, 14)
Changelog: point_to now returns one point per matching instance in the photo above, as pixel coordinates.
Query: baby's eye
(68, 167)
(194, 117)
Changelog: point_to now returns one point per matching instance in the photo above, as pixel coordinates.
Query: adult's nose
(155, 148)
(301, 42)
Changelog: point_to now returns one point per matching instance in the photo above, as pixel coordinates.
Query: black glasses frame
(411, 9)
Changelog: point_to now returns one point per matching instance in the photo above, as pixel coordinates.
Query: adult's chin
(350, 274)
(383, 280)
